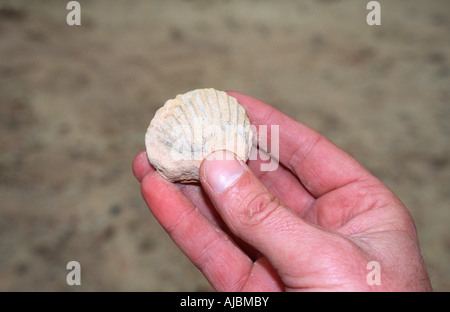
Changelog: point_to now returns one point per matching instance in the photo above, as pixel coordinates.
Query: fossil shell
(194, 124)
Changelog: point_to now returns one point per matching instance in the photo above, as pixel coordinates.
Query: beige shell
(194, 124)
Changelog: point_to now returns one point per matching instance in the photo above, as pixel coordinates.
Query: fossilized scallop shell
(194, 124)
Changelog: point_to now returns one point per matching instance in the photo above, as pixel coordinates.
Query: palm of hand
(341, 255)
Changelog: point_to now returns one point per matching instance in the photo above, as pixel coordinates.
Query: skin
(313, 224)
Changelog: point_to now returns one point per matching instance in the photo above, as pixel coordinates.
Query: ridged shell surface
(194, 124)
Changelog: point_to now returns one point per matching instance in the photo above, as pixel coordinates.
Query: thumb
(255, 215)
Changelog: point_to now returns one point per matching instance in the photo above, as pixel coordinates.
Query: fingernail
(221, 169)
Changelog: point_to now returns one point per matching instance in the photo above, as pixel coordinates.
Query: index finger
(320, 165)
(222, 262)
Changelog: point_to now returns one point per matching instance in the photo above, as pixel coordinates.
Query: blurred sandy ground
(75, 103)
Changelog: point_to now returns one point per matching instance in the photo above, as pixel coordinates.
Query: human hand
(312, 224)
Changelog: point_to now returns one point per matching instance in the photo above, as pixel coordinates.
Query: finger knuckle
(260, 208)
